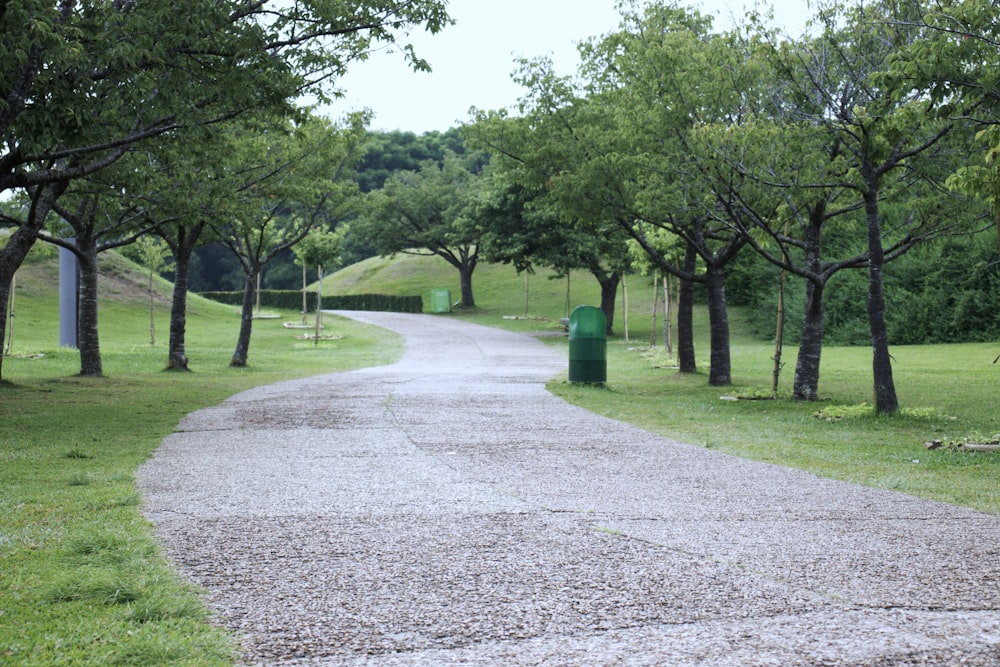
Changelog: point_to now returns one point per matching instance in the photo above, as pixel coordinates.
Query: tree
(72, 106)
(92, 219)
(521, 225)
(152, 253)
(293, 181)
(389, 152)
(953, 61)
(427, 212)
(647, 85)
(320, 248)
(871, 145)
(180, 190)
(80, 84)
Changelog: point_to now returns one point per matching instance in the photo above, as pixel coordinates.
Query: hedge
(292, 300)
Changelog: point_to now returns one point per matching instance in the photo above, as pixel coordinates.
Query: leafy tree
(427, 212)
(93, 219)
(952, 62)
(320, 248)
(294, 180)
(650, 83)
(80, 84)
(389, 152)
(523, 226)
(875, 145)
(181, 189)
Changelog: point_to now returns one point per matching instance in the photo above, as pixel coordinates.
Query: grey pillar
(69, 290)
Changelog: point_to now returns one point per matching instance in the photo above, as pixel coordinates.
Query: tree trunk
(526, 292)
(88, 338)
(19, 244)
(465, 276)
(805, 386)
(5, 347)
(609, 293)
(183, 248)
(566, 305)
(668, 342)
(152, 314)
(806, 383)
(720, 373)
(779, 335)
(625, 331)
(176, 356)
(241, 354)
(656, 307)
(886, 401)
(6, 289)
(685, 316)
(11, 257)
(319, 304)
(305, 304)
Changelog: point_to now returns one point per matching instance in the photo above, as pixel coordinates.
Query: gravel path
(448, 510)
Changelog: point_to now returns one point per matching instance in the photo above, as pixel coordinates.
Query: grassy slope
(498, 289)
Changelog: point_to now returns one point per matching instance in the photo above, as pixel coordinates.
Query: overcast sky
(473, 59)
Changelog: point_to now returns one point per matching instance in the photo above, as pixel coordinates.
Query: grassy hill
(500, 293)
(123, 289)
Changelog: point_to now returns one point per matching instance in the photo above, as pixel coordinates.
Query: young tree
(320, 248)
(152, 252)
(294, 180)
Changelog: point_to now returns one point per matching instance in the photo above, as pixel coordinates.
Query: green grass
(82, 581)
(946, 392)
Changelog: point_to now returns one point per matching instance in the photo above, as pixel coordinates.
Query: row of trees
(696, 146)
(124, 119)
(687, 146)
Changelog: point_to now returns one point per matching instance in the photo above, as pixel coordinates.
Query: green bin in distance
(440, 301)
(588, 345)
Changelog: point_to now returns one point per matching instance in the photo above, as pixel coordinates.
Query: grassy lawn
(81, 579)
(83, 583)
(947, 393)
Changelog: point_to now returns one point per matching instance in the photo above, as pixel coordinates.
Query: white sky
(473, 59)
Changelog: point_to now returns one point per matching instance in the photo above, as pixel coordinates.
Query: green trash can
(440, 301)
(588, 345)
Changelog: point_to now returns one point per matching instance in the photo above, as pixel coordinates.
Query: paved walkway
(448, 510)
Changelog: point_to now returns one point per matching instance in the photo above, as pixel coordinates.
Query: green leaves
(424, 209)
(320, 247)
